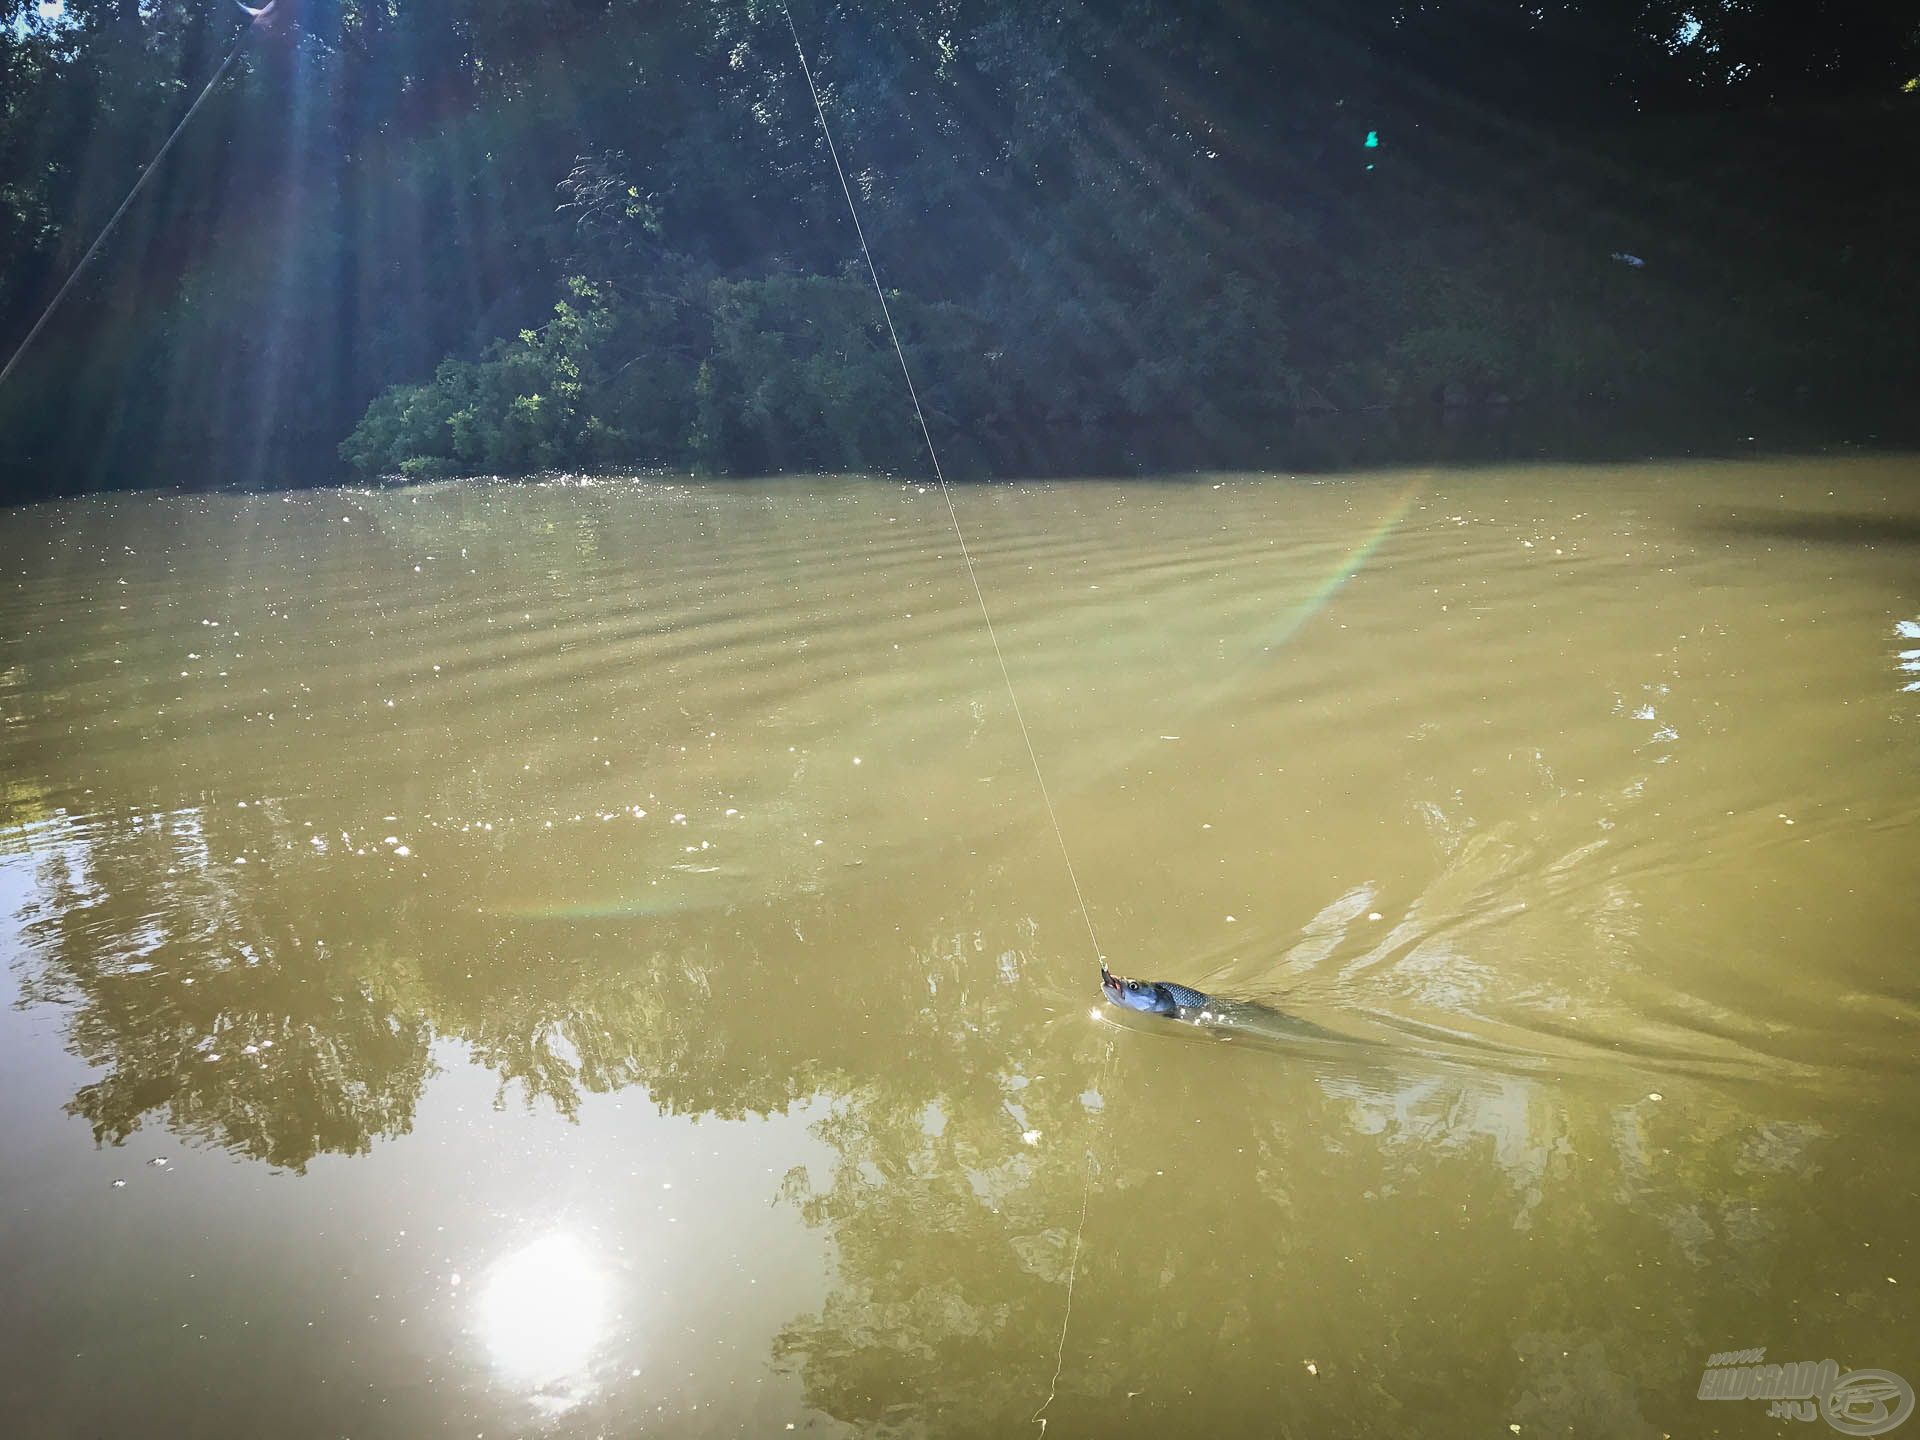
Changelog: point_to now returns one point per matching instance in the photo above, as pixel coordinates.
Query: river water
(591, 957)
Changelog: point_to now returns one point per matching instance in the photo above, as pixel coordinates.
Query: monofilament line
(1073, 1259)
(114, 219)
(1066, 1318)
(946, 494)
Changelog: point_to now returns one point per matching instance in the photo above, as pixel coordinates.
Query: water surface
(590, 957)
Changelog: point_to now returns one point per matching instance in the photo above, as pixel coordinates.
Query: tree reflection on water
(1363, 1212)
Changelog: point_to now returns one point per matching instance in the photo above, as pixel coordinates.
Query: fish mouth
(1108, 983)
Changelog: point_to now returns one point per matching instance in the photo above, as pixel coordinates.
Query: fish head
(1136, 994)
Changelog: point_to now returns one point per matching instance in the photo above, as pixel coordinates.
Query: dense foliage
(1111, 228)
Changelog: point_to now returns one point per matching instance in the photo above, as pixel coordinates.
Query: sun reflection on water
(543, 1312)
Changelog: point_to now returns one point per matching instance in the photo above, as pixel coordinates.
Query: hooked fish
(1215, 1015)
(1156, 997)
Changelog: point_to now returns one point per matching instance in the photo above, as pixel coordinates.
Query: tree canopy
(484, 235)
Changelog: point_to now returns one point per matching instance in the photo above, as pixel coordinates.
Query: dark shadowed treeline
(486, 235)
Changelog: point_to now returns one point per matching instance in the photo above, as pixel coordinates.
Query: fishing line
(114, 219)
(1006, 677)
(1073, 1260)
(945, 493)
(1066, 1318)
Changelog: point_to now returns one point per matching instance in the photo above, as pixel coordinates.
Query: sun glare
(543, 1312)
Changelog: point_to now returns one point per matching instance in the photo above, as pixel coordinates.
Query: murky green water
(590, 959)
